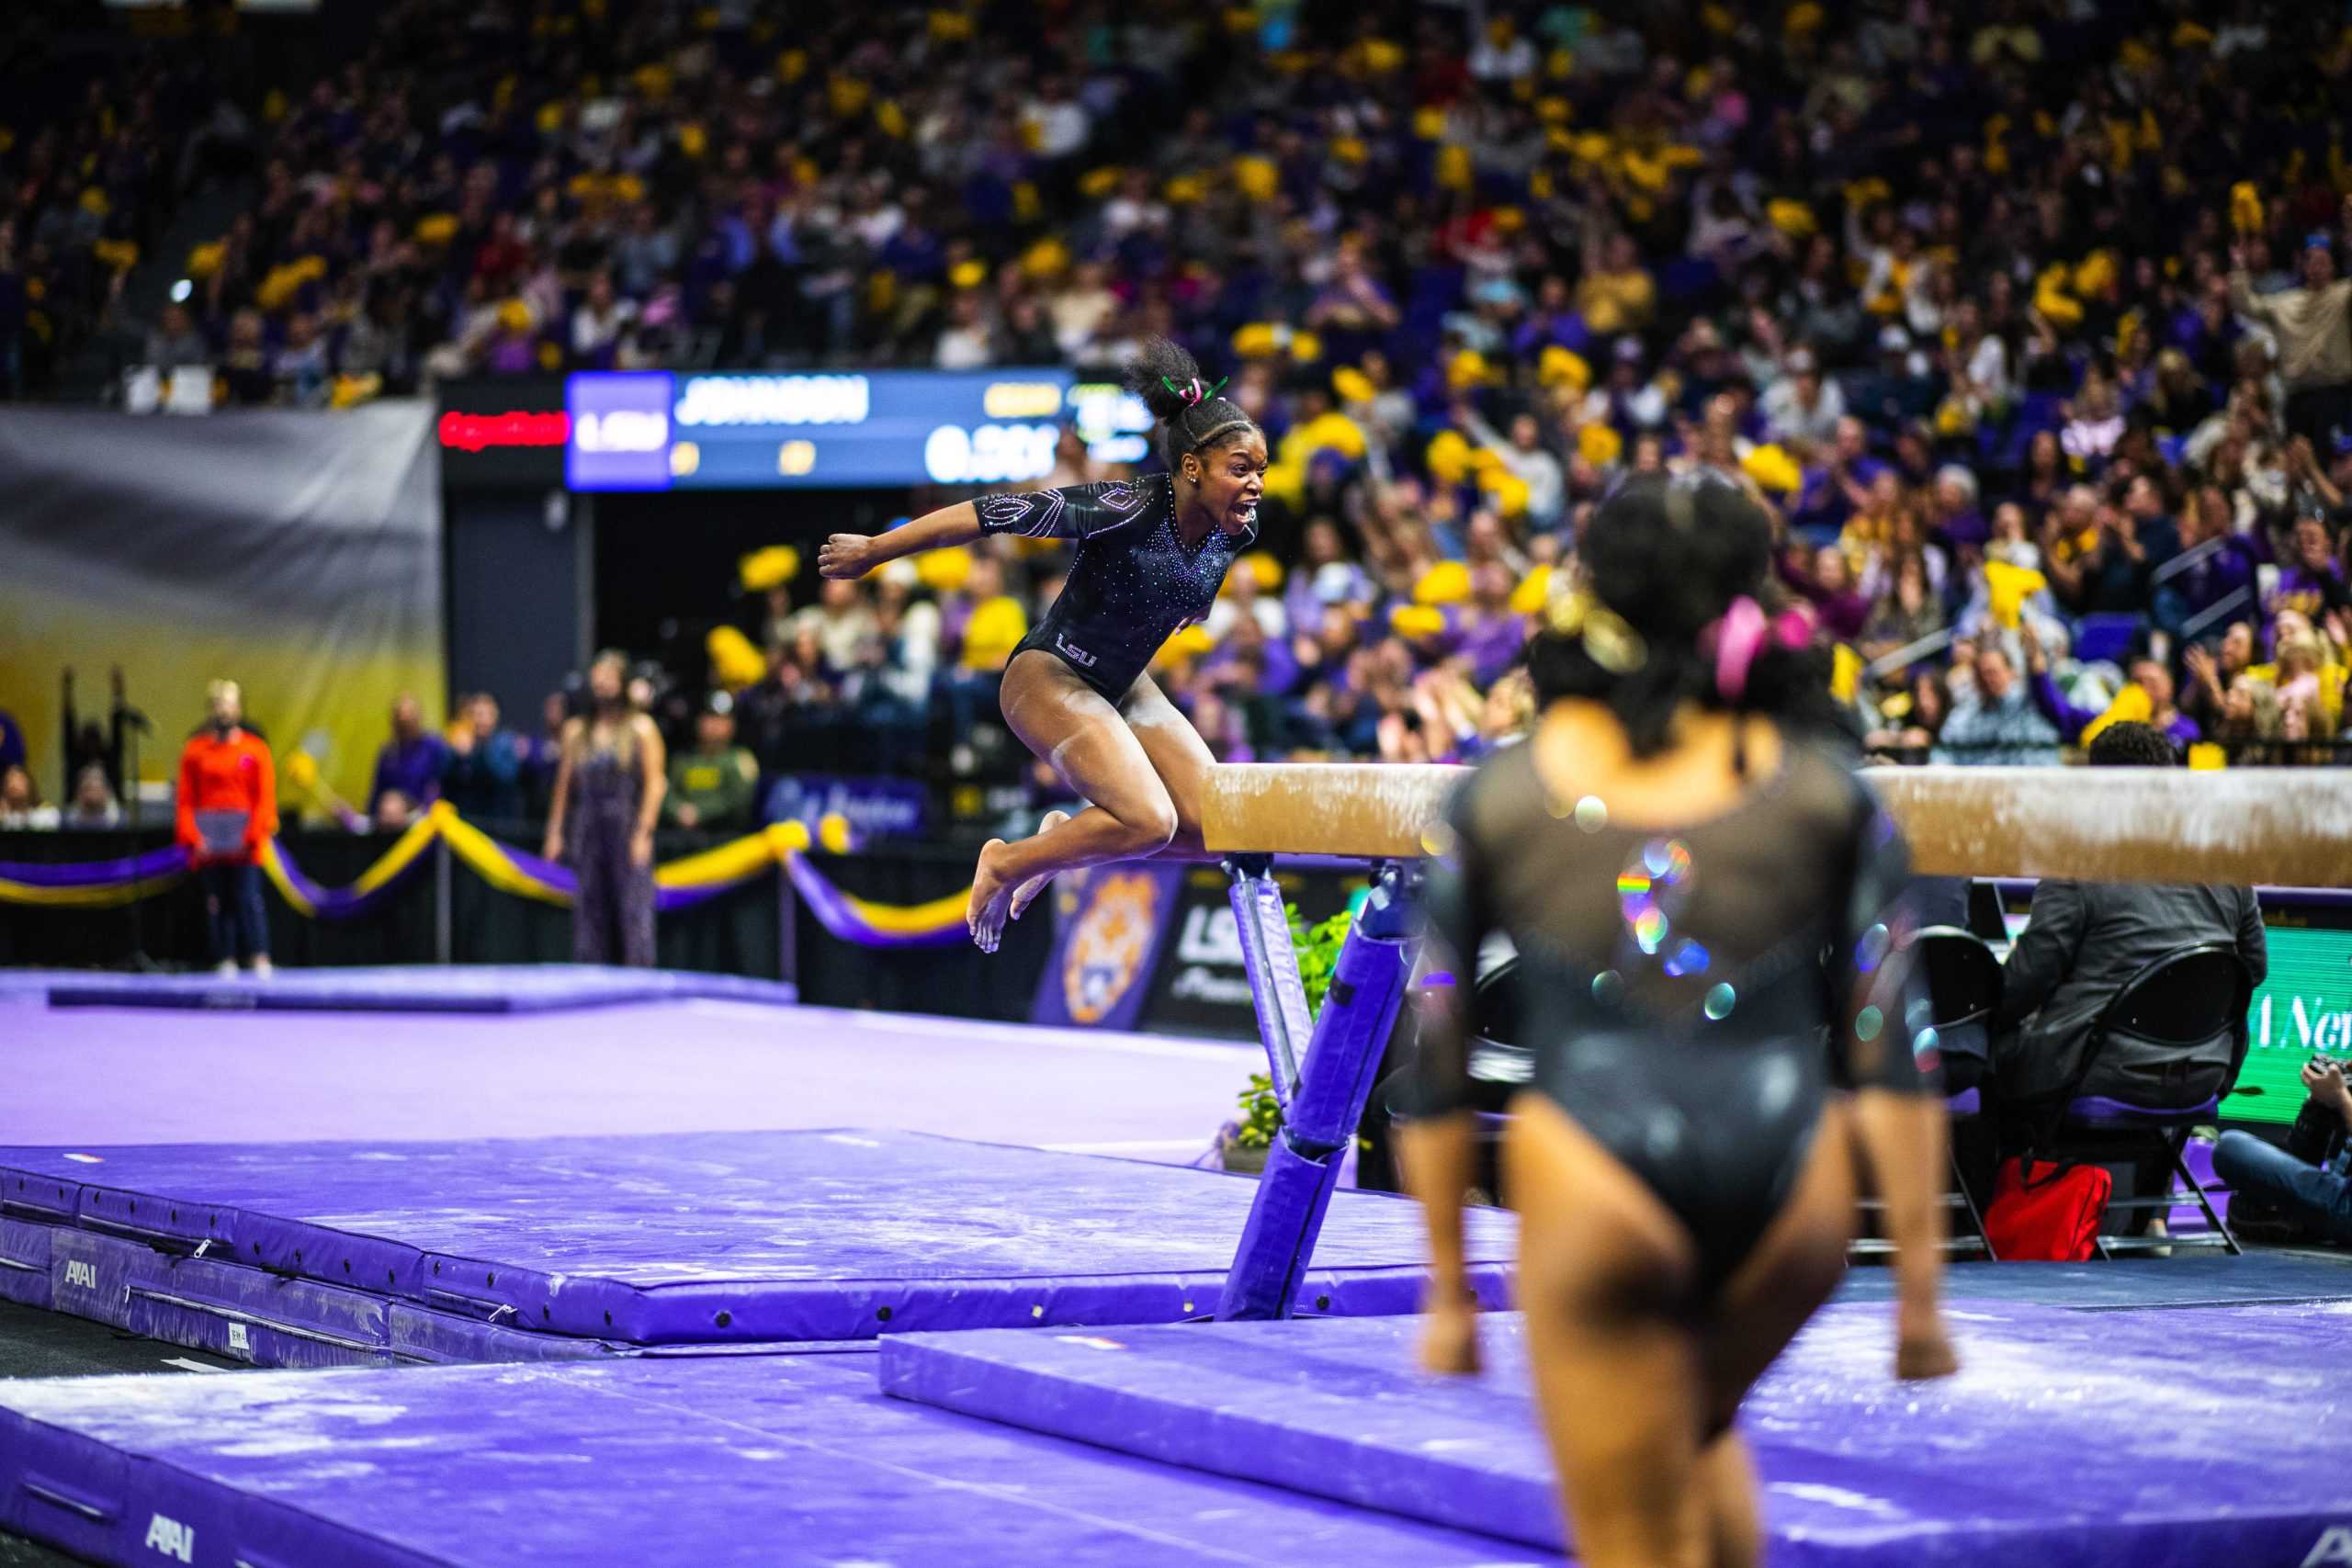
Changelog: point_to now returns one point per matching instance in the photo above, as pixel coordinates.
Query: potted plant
(1241, 1145)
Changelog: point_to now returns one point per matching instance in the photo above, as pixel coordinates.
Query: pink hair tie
(1194, 393)
(1741, 634)
(1738, 634)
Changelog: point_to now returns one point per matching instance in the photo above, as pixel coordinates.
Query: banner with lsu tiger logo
(1110, 924)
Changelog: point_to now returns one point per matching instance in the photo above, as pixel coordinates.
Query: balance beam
(2288, 828)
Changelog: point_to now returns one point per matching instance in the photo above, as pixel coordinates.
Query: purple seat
(2098, 1111)
(2108, 637)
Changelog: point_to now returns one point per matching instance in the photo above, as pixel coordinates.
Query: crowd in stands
(2024, 316)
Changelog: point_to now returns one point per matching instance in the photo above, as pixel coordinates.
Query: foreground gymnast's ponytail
(1667, 602)
(1191, 414)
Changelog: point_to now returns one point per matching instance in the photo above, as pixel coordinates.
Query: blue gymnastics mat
(2175, 1438)
(708, 1237)
(757, 1461)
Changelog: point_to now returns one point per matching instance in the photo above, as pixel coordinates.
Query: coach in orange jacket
(228, 810)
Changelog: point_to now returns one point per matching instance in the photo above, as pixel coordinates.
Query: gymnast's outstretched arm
(854, 555)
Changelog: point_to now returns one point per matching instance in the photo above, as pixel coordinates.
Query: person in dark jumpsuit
(1712, 975)
(1149, 557)
(609, 780)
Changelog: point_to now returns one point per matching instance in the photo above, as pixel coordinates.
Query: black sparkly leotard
(1133, 581)
(1691, 995)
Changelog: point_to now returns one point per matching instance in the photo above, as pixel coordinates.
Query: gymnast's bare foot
(1921, 1355)
(1036, 884)
(984, 913)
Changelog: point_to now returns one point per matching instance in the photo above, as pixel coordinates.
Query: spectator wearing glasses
(1993, 720)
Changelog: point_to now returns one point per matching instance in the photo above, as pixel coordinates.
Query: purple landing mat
(25, 1259)
(415, 988)
(2261, 1277)
(91, 1076)
(2171, 1439)
(742, 1460)
(727, 1237)
(30, 985)
(268, 1320)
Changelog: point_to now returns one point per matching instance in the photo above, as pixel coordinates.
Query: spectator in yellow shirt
(1616, 295)
(996, 623)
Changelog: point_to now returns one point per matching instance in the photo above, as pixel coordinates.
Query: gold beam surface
(2241, 826)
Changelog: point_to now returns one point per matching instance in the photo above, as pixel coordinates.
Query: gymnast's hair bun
(1191, 413)
(1667, 555)
(1163, 375)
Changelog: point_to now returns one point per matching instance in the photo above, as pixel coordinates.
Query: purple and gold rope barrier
(681, 885)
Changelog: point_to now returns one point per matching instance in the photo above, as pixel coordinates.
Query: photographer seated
(2083, 942)
(2304, 1184)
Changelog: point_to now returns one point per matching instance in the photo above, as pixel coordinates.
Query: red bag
(2046, 1213)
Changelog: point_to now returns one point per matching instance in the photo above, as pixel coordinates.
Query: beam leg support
(1349, 1038)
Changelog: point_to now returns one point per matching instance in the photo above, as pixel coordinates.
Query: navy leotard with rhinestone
(1133, 581)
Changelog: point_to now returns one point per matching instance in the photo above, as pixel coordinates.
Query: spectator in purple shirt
(1823, 579)
(2215, 564)
(2146, 674)
(2309, 579)
(1492, 636)
(1325, 576)
(410, 763)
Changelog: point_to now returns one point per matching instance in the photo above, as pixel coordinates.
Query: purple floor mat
(415, 988)
(2136, 1439)
(752, 1461)
(93, 1076)
(264, 1319)
(723, 1237)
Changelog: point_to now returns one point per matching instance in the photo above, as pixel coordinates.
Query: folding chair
(2186, 1004)
(1964, 989)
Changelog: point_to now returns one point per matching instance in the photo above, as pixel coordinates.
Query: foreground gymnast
(1673, 860)
(1151, 554)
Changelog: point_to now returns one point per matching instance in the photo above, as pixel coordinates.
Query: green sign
(2303, 1007)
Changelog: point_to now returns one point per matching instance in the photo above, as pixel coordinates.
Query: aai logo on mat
(171, 1539)
(2334, 1546)
(1107, 950)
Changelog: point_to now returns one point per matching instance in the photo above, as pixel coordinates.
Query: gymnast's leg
(1179, 756)
(1795, 1267)
(1078, 732)
(1603, 1266)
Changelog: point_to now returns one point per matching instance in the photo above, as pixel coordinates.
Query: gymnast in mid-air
(1698, 893)
(1149, 557)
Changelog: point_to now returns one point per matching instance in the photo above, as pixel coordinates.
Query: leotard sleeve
(1074, 511)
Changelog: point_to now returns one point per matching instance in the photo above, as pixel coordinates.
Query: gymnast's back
(1691, 990)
